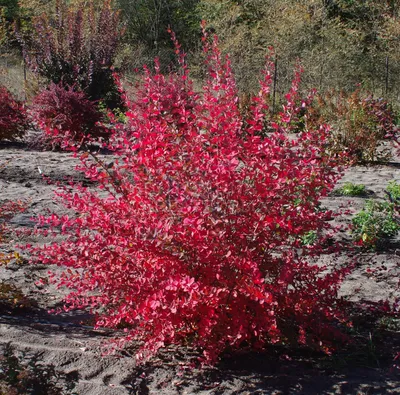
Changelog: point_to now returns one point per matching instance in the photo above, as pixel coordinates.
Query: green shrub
(375, 223)
(393, 190)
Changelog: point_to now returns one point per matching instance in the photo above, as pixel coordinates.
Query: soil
(72, 346)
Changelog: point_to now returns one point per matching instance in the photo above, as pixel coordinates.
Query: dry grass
(21, 85)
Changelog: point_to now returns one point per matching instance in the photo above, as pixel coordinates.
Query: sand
(73, 347)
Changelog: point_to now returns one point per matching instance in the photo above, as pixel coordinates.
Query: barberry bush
(77, 46)
(13, 118)
(194, 235)
(63, 113)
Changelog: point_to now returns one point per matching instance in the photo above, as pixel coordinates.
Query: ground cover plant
(350, 189)
(194, 235)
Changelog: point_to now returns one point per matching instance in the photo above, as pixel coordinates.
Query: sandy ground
(73, 347)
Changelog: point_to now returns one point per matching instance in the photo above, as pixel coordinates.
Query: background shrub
(77, 46)
(341, 43)
(13, 118)
(360, 125)
(63, 113)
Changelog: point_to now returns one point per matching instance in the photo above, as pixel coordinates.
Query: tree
(147, 23)
(340, 43)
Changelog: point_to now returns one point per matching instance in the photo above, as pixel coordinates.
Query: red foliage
(13, 119)
(198, 240)
(65, 114)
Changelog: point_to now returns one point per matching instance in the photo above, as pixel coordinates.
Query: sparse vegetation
(12, 299)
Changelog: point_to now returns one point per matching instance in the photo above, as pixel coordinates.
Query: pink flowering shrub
(194, 236)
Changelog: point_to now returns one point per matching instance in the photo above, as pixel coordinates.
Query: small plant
(23, 376)
(350, 189)
(375, 223)
(64, 113)
(393, 192)
(309, 238)
(13, 118)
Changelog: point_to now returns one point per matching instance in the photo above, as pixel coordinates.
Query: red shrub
(13, 119)
(65, 114)
(198, 240)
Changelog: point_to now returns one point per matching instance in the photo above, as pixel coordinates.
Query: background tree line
(341, 43)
